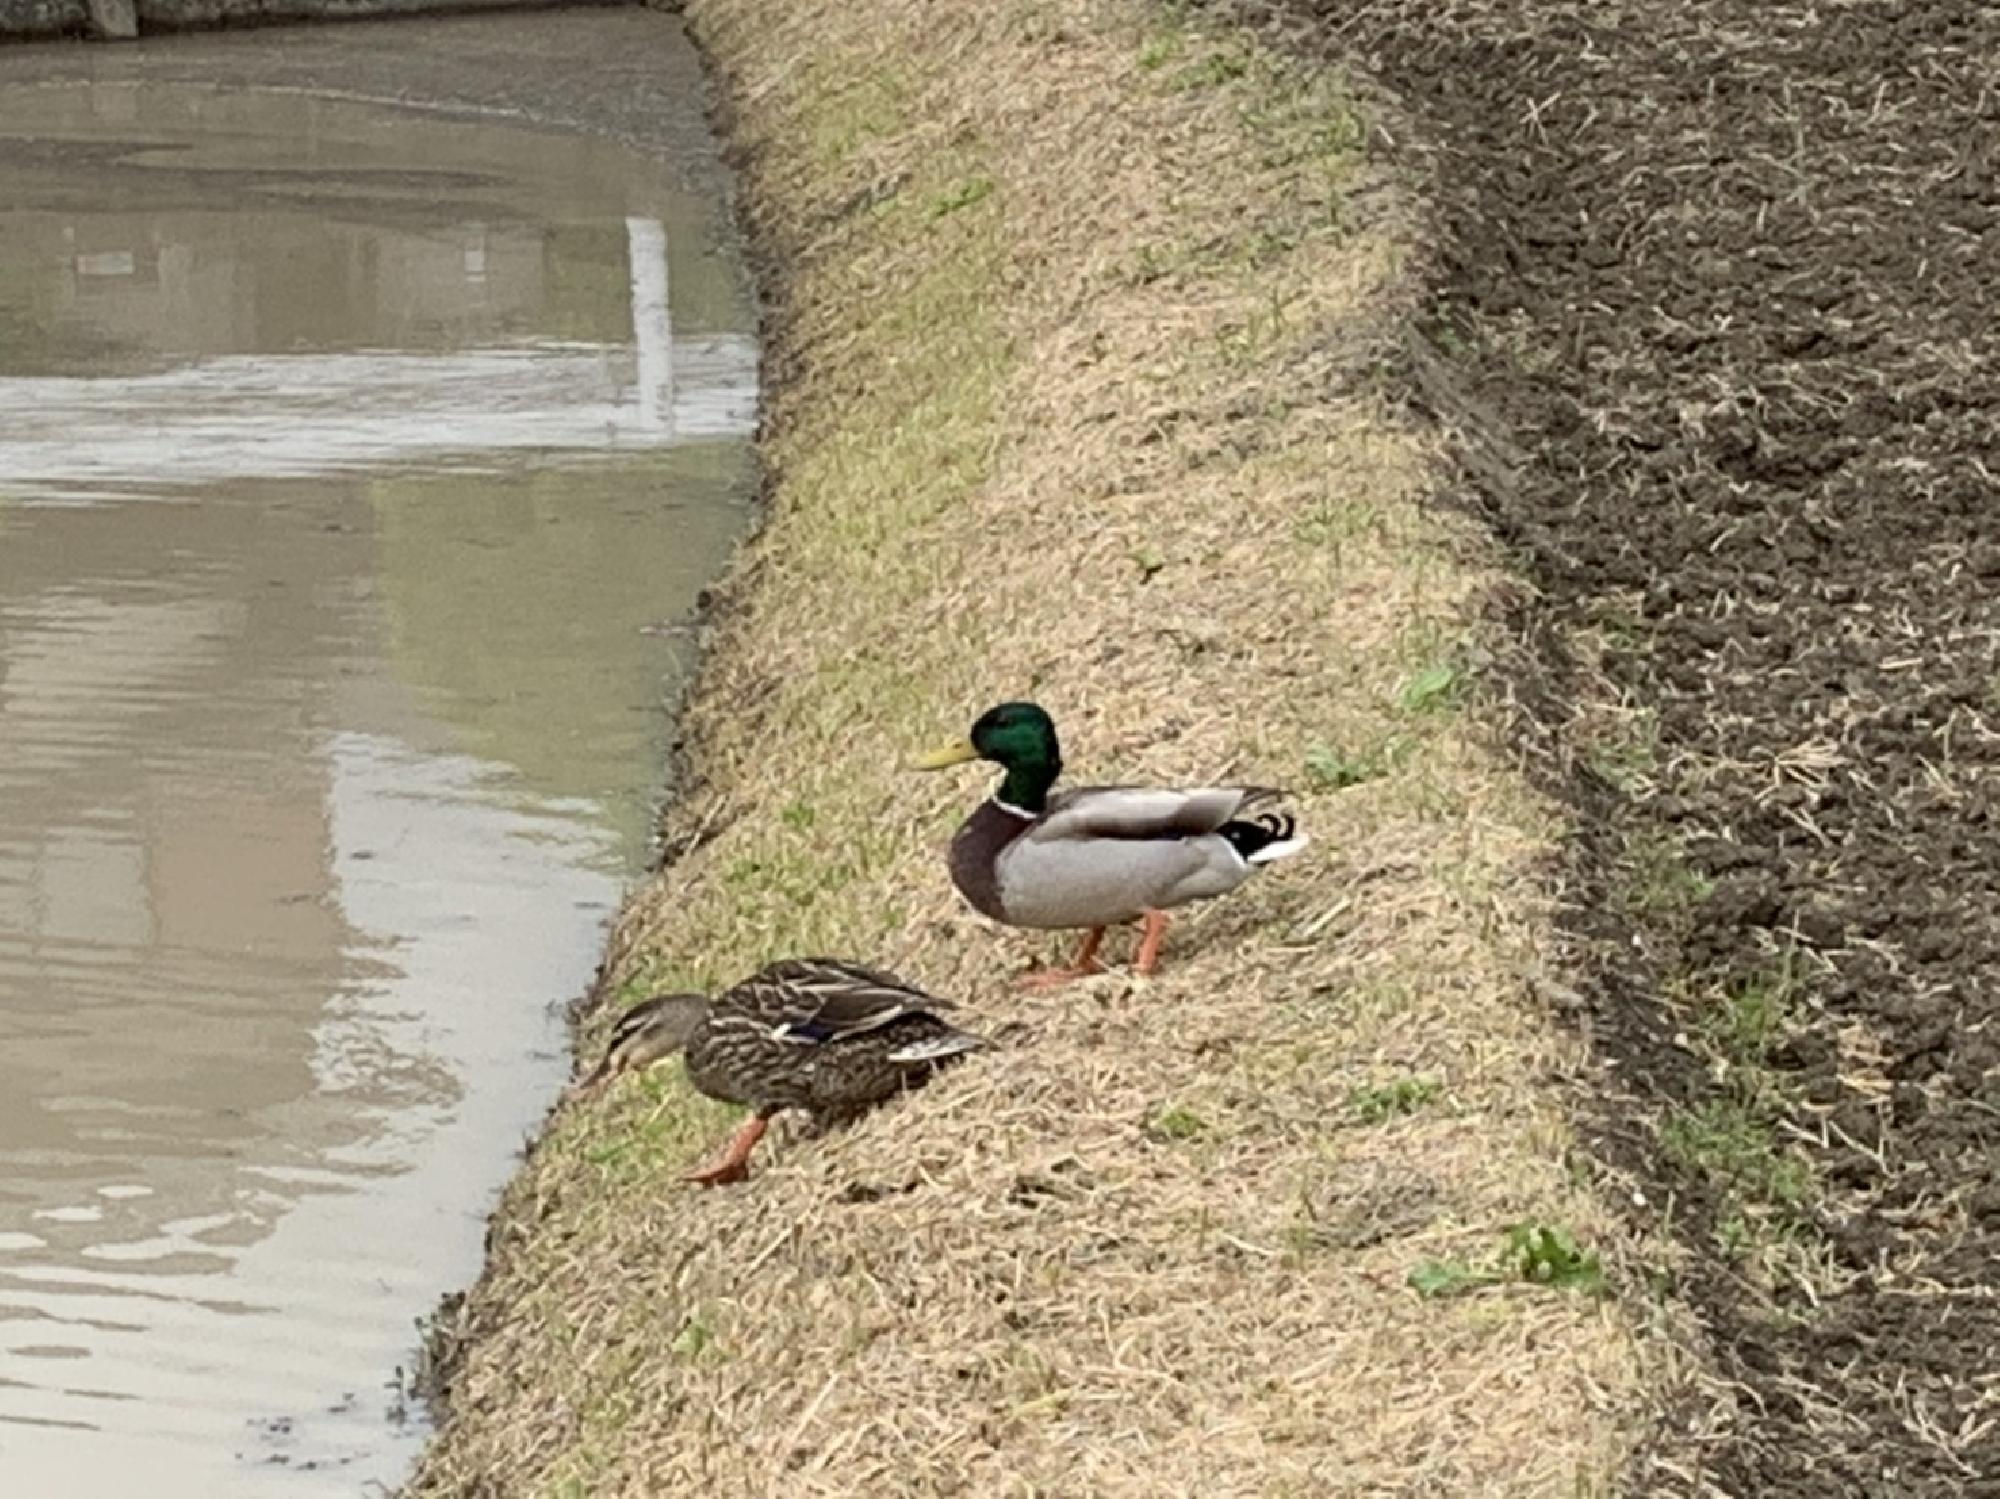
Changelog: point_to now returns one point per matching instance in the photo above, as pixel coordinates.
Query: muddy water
(356, 466)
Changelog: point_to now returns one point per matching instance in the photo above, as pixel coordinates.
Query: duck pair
(832, 1038)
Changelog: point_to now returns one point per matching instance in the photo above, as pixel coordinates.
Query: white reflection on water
(267, 416)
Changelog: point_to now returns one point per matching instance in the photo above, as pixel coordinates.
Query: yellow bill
(955, 753)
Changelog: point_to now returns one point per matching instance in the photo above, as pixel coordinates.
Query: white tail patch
(1284, 848)
(935, 1049)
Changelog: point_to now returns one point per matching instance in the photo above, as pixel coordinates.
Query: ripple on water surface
(350, 460)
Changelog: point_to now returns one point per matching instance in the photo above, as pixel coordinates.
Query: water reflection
(346, 473)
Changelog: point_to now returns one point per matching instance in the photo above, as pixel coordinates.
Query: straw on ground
(1075, 307)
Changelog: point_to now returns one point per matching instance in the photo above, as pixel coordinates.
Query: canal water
(359, 467)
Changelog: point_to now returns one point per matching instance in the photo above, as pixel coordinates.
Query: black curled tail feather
(1248, 835)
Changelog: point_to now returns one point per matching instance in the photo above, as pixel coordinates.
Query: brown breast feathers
(975, 854)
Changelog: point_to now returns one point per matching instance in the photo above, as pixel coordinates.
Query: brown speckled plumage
(821, 1035)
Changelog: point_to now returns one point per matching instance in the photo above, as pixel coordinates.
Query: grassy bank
(1076, 314)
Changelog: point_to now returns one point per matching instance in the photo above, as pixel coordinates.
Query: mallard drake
(1095, 856)
(817, 1034)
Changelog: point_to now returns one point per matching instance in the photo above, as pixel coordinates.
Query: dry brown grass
(1076, 310)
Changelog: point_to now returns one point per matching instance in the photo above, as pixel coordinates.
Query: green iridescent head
(1018, 737)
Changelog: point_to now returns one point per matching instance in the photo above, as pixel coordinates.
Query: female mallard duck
(1094, 856)
(830, 1038)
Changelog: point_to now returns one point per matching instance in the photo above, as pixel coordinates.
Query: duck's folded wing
(820, 977)
(1138, 812)
(828, 999)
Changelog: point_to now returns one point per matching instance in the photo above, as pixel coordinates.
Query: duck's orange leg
(734, 1162)
(1149, 943)
(1086, 964)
